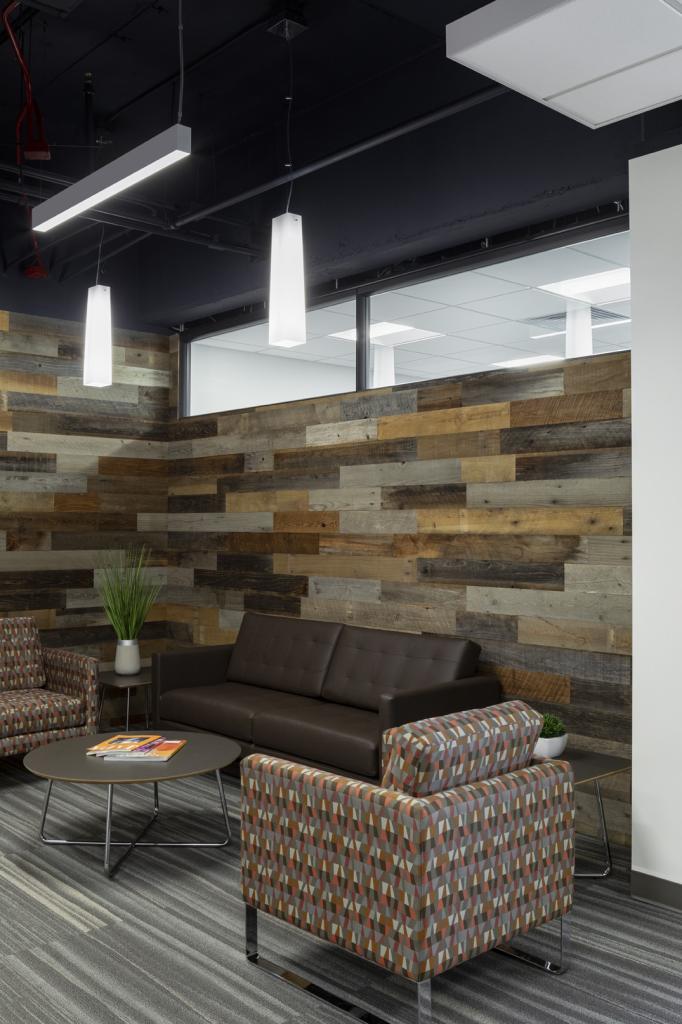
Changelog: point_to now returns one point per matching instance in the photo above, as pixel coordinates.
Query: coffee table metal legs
(606, 871)
(110, 867)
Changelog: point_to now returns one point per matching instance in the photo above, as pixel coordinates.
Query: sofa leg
(545, 965)
(424, 1002)
(251, 933)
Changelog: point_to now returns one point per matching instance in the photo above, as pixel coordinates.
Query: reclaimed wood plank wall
(495, 506)
(77, 466)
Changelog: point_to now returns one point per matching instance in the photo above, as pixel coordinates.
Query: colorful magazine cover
(123, 741)
(159, 750)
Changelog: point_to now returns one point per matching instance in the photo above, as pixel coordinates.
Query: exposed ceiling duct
(597, 61)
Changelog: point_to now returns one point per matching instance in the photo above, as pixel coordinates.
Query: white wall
(222, 379)
(656, 236)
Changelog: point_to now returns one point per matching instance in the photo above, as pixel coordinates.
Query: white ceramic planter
(127, 661)
(552, 747)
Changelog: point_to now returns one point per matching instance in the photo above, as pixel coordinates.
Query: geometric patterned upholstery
(416, 885)
(436, 754)
(38, 710)
(21, 659)
(57, 698)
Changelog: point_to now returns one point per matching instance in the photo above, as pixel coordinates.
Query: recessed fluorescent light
(529, 361)
(584, 287)
(164, 149)
(378, 330)
(595, 327)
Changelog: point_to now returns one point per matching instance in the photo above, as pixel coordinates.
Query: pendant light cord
(181, 51)
(290, 102)
(99, 255)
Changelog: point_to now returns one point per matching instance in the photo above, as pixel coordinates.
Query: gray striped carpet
(162, 942)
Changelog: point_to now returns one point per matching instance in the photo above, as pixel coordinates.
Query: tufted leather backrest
(427, 757)
(369, 662)
(21, 655)
(283, 654)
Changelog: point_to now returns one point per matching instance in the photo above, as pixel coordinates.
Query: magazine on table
(136, 747)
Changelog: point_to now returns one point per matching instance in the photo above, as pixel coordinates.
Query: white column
(656, 230)
(383, 366)
(578, 330)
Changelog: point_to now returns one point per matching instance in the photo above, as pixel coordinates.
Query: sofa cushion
(226, 708)
(38, 710)
(369, 662)
(422, 758)
(21, 656)
(283, 654)
(345, 738)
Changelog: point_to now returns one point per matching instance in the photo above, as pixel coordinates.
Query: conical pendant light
(287, 327)
(97, 354)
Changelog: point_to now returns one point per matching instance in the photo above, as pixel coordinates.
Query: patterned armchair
(45, 694)
(464, 845)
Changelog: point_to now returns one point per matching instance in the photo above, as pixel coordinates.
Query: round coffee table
(66, 761)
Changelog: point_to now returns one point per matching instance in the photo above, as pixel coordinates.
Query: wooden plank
(478, 626)
(573, 521)
(451, 597)
(372, 404)
(599, 579)
(4, 320)
(462, 420)
(402, 617)
(603, 551)
(26, 462)
(453, 446)
(332, 588)
(608, 373)
(424, 496)
(575, 634)
(185, 486)
(210, 465)
(554, 549)
(358, 544)
(492, 468)
(75, 444)
(341, 433)
(614, 491)
(513, 385)
(531, 686)
(444, 394)
(343, 498)
(596, 405)
(132, 467)
(606, 462)
(355, 454)
(535, 575)
(73, 387)
(271, 582)
(614, 609)
(26, 503)
(207, 522)
(40, 483)
(378, 522)
(612, 433)
(266, 501)
(425, 471)
(281, 543)
(306, 522)
(280, 480)
(31, 383)
(369, 567)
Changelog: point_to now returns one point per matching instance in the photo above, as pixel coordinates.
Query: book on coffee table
(122, 742)
(154, 751)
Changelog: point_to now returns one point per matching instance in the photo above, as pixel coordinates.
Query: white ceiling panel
(521, 305)
(450, 319)
(552, 49)
(506, 332)
(459, 288)
(394, 306)
(560, 265)
(615, 248)
(448, 348)
(321, 322)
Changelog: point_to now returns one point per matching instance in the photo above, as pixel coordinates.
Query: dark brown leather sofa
(317, 692)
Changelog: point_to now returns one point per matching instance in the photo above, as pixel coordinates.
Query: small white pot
(127, 661)
(552, 747)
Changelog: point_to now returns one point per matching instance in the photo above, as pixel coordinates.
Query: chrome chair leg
(535, 961)
(424, 1002)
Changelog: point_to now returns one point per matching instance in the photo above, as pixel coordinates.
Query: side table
(592, 768)
(124, 684)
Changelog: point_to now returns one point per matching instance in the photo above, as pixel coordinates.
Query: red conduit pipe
(36, 147)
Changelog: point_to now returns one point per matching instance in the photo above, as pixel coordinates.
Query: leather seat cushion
(283, 654)
(369, 662)
(346, 738)
(226, 708)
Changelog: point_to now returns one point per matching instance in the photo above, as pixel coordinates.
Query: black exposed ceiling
(361, 67)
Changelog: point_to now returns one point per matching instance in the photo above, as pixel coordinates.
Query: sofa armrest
(352, 862)
(197, 666)
(76, 675)
(441, 699)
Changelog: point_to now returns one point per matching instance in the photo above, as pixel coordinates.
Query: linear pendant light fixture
(286, 311)
(97, 348)
(161, 151)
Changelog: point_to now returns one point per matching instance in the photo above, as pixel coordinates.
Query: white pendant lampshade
(97, 357)
(287, 283)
